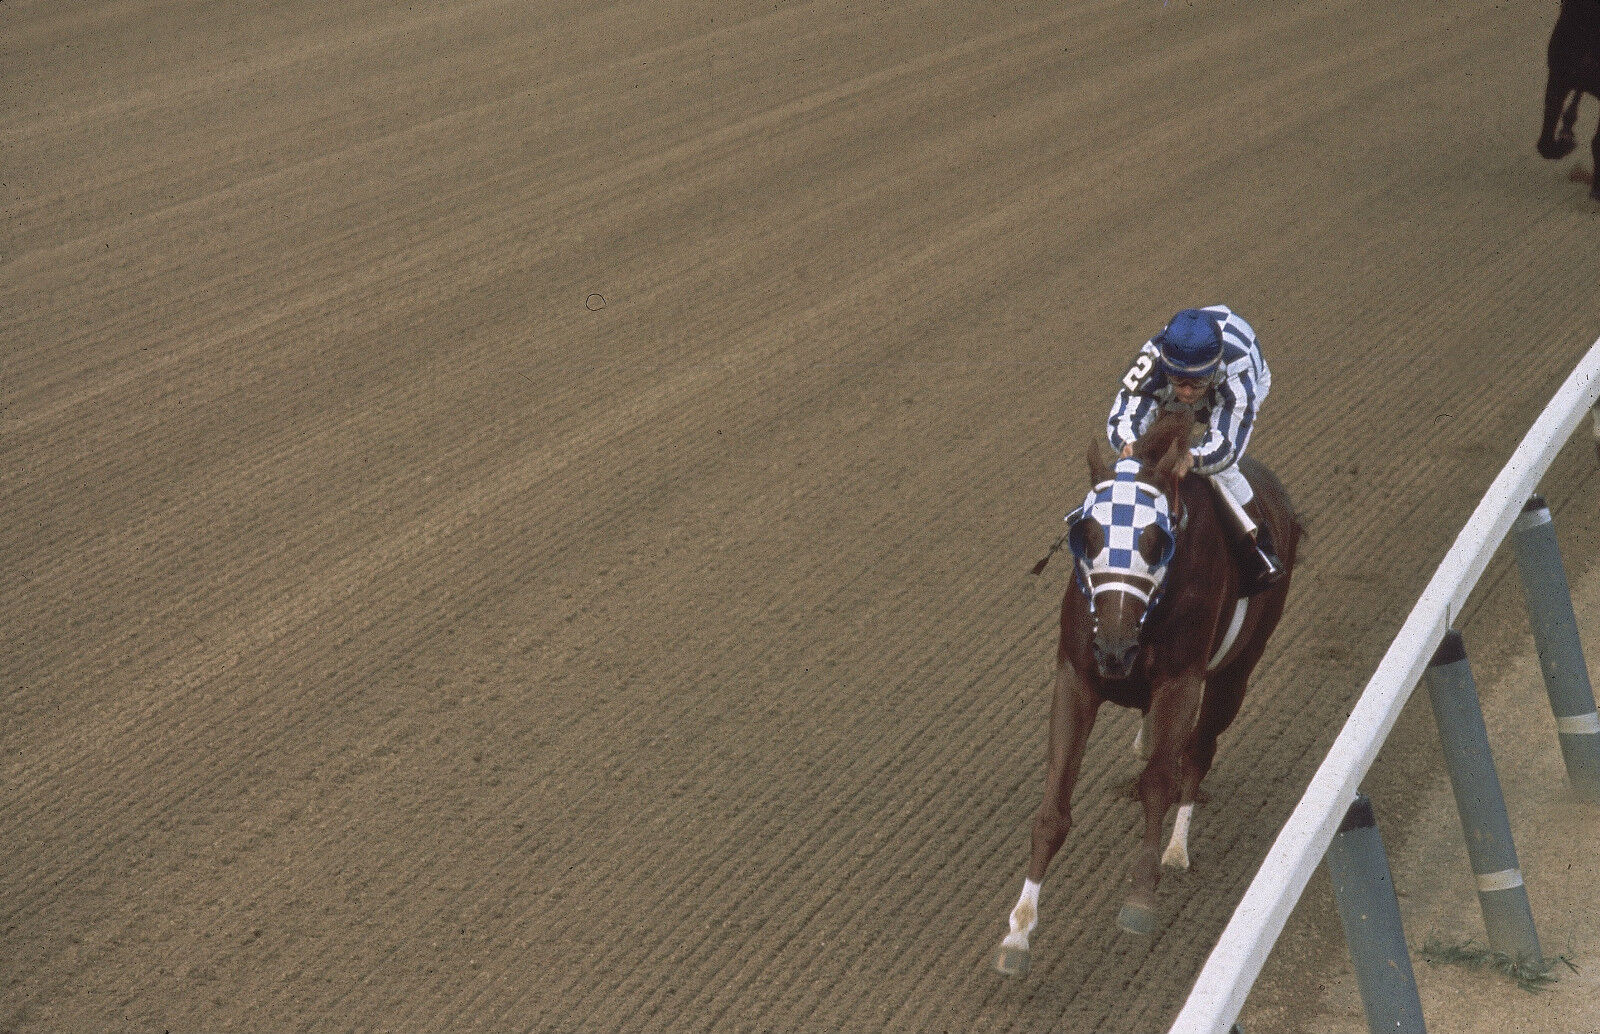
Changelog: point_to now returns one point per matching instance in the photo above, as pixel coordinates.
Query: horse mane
(1154, 443)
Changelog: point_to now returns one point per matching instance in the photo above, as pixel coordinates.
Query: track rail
(1236, 960)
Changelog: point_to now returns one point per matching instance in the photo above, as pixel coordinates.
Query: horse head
(1123, 538)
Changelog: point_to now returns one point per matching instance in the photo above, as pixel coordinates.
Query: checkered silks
(1123, 507)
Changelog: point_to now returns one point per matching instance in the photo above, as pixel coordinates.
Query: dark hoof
(1013, 962)
(1560, 147)
(1139, 919)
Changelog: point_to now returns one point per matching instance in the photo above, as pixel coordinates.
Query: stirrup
(1268, 572)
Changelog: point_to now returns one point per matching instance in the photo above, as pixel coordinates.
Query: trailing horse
(1574, 60)
(1154, 620)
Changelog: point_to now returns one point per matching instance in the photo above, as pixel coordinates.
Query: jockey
(1208, 362)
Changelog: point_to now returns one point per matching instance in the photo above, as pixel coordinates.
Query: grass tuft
(1530, 974)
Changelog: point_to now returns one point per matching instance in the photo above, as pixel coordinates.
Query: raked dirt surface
(518, 515)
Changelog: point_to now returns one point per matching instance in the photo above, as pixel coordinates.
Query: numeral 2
(1139, 371)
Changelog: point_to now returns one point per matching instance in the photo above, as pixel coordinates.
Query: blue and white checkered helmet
(1191, 345)
(1124, 507)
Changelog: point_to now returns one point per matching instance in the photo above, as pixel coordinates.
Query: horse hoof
(1013, 962)
(1560, 147)
(1139, 919)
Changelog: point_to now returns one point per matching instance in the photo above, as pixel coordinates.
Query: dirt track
(518, 516)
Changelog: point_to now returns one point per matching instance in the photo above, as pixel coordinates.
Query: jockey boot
(1262, 568)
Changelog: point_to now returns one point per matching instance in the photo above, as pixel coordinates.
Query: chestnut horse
(1154, 620)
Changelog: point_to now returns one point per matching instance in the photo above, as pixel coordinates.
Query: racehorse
(1155, 621)
(1574, 60)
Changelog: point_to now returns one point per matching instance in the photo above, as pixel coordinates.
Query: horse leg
(1223, 695)
(1172, 713)
(1594, 153)
(1073, 709)
(1141, 752)
(1551, 144)
(1569, 118)
(1141, 739)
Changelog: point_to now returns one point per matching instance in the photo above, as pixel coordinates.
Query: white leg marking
(1177, 855)
(1024, 917)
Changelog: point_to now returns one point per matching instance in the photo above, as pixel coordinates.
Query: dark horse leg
(1594, 151)
(1554, 144)
(1569, 118)
(1073, 709)
(1172, 716)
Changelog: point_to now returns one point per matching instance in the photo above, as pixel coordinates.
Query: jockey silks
(1228, 408)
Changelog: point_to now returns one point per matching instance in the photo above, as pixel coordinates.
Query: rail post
(1596, 414)
(1555, 634)
(1370, 912)
(1507, 917)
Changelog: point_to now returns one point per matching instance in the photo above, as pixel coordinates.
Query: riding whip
(1053, 548)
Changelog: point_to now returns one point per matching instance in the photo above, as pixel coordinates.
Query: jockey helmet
(1191, 345)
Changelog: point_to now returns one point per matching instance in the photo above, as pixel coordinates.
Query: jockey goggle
(1124, 508)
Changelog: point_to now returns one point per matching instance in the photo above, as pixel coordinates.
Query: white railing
(1242, 950)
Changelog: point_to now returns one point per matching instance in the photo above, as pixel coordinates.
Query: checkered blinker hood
(1123, 507)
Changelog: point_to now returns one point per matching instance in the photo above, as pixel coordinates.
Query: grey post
(1370, 913)
(1555, 633)
(1501, 893)
(1595, 412)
